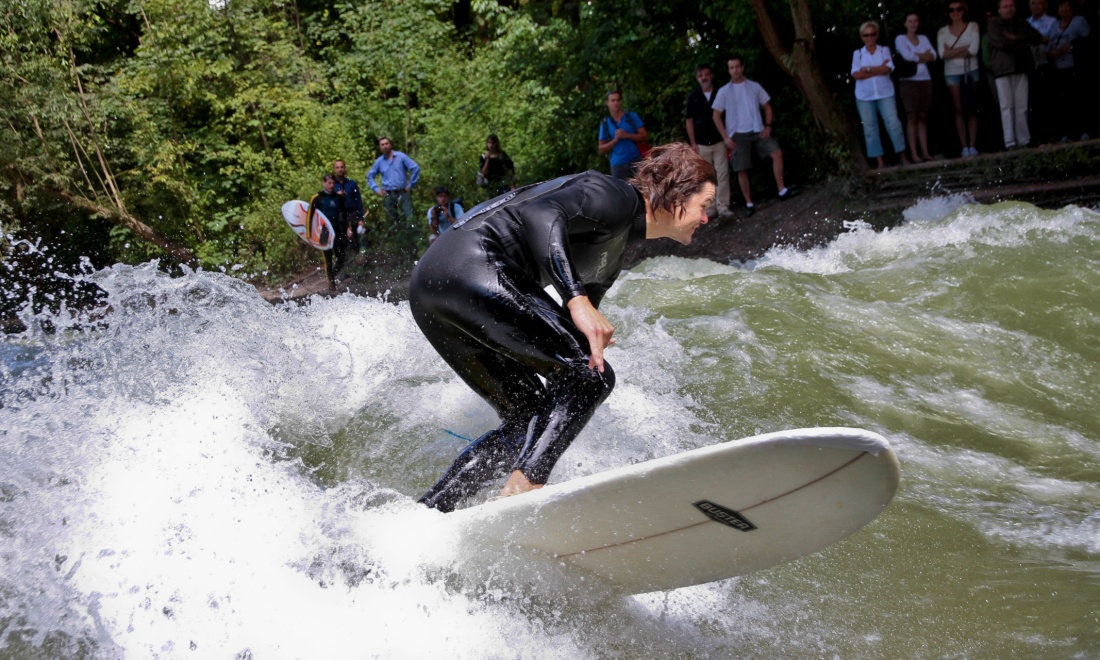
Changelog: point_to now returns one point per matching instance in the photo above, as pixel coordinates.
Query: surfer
(479, 299)
(331, 204)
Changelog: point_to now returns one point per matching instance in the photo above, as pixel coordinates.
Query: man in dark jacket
(1011, 62)
(351, 214)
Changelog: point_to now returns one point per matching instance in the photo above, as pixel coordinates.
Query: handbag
(481, 180)
(903, 68)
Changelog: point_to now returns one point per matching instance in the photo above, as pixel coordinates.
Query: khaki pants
(715, 154)
(1012, 94)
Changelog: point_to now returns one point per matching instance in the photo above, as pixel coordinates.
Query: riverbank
(1050, 176)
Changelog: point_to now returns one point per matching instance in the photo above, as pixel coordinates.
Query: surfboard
(317, 233)
(702, 515)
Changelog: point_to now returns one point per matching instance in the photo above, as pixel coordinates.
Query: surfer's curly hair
(671, 174)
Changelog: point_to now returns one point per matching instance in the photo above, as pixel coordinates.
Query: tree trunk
(124, 219)
(801, 66)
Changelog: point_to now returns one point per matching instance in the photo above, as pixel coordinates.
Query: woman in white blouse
(871, 68)
(916, 90)
(958, 44)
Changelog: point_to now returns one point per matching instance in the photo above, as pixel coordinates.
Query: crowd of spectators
(1020, 81)
(1023, 78)
(1003, 83)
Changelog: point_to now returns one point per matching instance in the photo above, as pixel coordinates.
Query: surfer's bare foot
(516, 484)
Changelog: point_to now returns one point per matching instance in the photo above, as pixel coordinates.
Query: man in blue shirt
(351, 214)
(620, 134)
(399, 174)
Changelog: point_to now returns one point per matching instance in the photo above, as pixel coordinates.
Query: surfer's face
(693, 213)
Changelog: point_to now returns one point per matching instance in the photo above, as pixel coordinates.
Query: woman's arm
(929, 53)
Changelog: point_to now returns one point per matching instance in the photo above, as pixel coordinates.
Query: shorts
(957, 80)
(916, 95)
(741, 158)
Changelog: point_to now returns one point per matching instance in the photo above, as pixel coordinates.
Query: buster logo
(727, 517)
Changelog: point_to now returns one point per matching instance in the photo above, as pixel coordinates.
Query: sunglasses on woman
(870, 34)
(955, 10)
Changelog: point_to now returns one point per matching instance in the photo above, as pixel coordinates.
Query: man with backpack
(621, 135)
(444, 213)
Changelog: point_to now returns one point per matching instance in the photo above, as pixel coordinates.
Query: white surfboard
(702, 515)
(316, 231)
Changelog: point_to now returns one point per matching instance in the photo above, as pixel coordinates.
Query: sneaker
(966, 152)
(749, 210)
(1084, 137)
(790, 194)
(725, 214)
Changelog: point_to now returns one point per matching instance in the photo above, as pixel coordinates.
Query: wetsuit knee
(484, 459)
(572, 399)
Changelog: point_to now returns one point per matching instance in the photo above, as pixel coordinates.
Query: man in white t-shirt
(745, 131)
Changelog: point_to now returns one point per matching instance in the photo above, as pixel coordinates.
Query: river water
(199, 473)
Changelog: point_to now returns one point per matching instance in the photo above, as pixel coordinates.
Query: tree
(60, 140)
(800, 63)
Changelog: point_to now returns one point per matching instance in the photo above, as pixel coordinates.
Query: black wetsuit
(478, 295)
(332, 205)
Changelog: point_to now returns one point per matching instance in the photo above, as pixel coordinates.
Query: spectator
(871, 68)
(497, 172)
(958, 44)
(351, 213)
(331, 205)
(1041, 88)
(1010, 41)
(444, 213)
(398, 174)
(1062, 34)
(744, 130)
(705, 139)
(916, 90)
(620, 134)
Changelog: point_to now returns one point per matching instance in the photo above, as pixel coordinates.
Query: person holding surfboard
(331, 204)
(480, 301)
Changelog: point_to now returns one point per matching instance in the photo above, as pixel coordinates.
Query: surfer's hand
(594, 326)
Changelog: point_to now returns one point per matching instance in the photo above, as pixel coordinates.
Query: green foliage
(201, 119)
